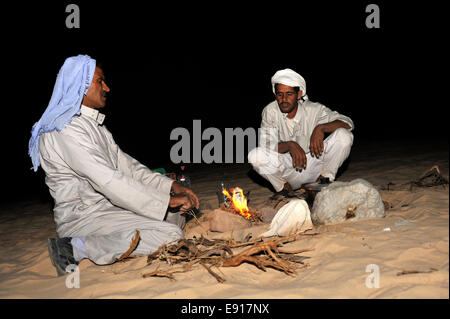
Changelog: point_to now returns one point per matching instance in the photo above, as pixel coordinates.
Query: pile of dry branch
(430, 178)
(185, 254)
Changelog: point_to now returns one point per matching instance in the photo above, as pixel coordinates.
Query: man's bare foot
(286, 192)
(323, 180)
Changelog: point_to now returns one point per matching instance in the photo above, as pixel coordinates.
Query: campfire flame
(239, 202)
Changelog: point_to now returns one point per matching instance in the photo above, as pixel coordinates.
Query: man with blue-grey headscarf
(108, 206)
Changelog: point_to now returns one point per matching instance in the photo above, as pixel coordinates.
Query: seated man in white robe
(292, 150)
(107, 205)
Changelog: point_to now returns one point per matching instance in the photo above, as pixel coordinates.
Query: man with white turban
(292, 150)
(107, 204)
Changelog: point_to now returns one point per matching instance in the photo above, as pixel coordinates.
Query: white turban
(290, 78)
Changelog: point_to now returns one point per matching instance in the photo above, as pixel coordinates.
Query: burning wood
(187, 253)
(255, 216)
(239, 205)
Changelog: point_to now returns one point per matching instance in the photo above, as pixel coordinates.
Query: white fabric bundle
(290, 78)
(294, 217)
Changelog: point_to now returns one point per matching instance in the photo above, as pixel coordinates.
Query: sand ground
(337, 267)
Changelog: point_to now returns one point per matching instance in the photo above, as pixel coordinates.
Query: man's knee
(258, 157)
(166, 232)
(176, 218)
(152, 239)
(174, 231)
(344, 137)
(264, 161)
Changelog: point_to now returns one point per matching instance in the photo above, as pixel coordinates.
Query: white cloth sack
(294, 217)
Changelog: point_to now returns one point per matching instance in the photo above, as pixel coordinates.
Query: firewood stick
(186, 244)
(159, 274)
(237, 260)
(286, 270)
(217, 251)
(218, 278)
(259, 262)
(283, 240)
(159, 250)
(258, 248)
(293, 258)
(280, 262)
(133, 245)
(407, 272)
(295, 251)
(168, 274)
(245, 244)
(250, 251)
(268, 247)
(190, 212)
(189, 265)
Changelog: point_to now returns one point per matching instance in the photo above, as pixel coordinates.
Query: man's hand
(181, 189)
(298, 155)
(184, 200)
(316, 142)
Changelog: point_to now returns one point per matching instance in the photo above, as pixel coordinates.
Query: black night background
(169, 64)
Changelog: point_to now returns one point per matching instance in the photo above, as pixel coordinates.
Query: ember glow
(239, 201)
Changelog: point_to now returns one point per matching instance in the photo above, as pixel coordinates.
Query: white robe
(102, 194)
(309, 115)
(278, 168)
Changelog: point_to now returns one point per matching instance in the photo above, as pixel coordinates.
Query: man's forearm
(333, 126)
(283, 147)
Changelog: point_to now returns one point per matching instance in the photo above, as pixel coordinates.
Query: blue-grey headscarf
(72, 83)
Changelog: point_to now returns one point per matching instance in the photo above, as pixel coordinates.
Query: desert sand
(336, 267)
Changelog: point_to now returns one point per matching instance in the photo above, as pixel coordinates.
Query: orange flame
(239, 201)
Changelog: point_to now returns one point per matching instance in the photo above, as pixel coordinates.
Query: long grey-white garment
(278, 168)
(102, 194)
(275, 124)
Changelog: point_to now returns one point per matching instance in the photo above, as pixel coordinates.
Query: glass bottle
(183, 178)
